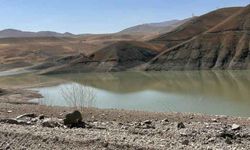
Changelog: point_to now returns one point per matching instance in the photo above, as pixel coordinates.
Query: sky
(100, 16)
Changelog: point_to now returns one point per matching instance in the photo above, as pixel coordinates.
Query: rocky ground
(114, 129)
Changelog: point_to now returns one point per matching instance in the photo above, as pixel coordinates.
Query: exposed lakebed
(208, 92)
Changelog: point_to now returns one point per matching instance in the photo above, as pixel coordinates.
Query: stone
(147, 122)
(238, 140)
(211, 140)
(73, 119)
(105, 144)
(9, 111)
(228, 141)
(183, 133)
(214, 120)
(181, 125)
(34, 119)
(226, 134)
(103, 115)
(185, 142)
(41, 117)
(7, 146)
(235, 127)
(28, 115)
(165, 120)
(148, 126)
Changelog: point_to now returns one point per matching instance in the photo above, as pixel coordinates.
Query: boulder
(73, 119)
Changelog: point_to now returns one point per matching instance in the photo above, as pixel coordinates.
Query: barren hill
(119, 56)
(225, 45)
(217, 40)
(194, 27)
(26, 51)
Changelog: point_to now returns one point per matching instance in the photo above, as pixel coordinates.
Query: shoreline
(119, 129)
(20, 98)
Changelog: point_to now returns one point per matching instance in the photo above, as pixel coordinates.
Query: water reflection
(233, 85)
(211, 92)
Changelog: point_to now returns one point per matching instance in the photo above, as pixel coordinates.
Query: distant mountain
(145, 29)
(154, 28)
(12, 33)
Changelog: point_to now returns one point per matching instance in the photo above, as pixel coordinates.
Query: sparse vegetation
(78, 96)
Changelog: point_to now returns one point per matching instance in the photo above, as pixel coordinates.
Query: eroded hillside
(224, 46)
(119, 56)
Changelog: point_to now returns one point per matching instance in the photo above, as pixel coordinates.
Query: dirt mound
(195, 27)
(225, 46)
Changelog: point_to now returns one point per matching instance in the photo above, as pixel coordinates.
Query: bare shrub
(77, 95)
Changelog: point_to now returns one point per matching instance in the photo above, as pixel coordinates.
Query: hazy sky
(100, 16)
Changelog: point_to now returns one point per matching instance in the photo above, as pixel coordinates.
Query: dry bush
(78, 96)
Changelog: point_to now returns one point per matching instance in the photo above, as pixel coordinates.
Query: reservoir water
(208, 92)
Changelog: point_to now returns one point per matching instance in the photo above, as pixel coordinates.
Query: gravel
(132, 135)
